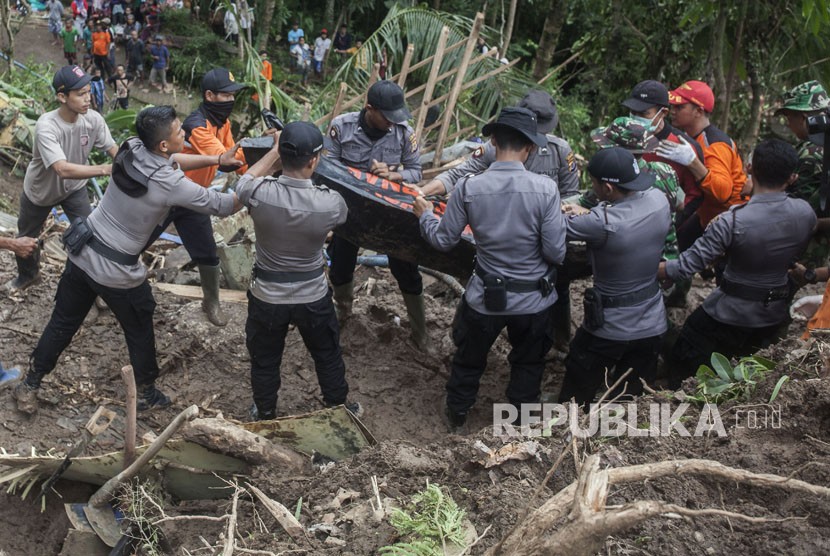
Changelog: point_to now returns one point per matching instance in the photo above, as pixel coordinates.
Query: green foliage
(34, 85)
(721, 382)
(202, 51)
(431, 521)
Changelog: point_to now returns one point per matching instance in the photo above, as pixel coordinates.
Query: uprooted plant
(721, 382)
(431, 522)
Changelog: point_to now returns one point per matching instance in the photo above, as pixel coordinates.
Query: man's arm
(568, 174)
(553, 232)
(189, 194)
(589, 227)
(23, 246)
(718, 182)
(477, 163)
(712, 244)
(442, 234)
(410, 158)
(331, 142)
(189, 162)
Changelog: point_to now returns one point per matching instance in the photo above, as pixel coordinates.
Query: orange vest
(722, 185)
(202, 137)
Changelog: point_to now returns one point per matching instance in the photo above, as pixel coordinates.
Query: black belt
(754, 293)
(523, 286)
(629, 299)
(285, 277)
(109, 253)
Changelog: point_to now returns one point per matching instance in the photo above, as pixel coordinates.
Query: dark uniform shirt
(347, 142)
(291, 218)
(126, 223)
(760, 240)
(625, 244)
(517, 222)
(555, 160)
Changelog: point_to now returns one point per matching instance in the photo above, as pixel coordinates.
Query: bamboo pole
(407, 59)
(426, 61)
(433, 74)
(338, 105)
(455, 92)
(455, 135)
(490, 54)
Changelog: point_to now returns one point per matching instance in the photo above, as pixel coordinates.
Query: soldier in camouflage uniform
(632, 135)
(799, 103)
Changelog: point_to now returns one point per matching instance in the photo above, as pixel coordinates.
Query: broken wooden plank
(195, 292)
(286, 520)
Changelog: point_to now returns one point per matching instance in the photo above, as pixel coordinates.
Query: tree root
(588, 521)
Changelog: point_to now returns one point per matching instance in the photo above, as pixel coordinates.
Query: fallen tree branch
(587, 520)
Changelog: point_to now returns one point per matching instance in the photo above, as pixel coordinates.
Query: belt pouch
(78, 235)
(495, 293)
(592, 306)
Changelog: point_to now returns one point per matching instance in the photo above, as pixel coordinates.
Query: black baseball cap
(300, 139)
(387, 97)
(220, 80)
(522, 120)
(543, 105)
(646, 94)
(618, 166)
(70, 78)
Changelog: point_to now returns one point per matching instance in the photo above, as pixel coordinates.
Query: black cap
(70, 78)
(220, 80)
(619, 167)
(646, 94)
(543, 105)
(387, 97)
(520, 119)
(300, 139)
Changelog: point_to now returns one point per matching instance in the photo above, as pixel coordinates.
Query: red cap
(696, 92)
(324, 31)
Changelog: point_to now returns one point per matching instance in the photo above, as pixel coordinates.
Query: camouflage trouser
(817, 252)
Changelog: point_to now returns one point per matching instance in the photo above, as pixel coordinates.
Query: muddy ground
(402, 391)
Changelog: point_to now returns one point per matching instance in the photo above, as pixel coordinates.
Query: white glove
(682, 152)
(806, 307)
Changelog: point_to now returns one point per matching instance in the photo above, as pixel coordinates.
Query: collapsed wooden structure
(446, 130)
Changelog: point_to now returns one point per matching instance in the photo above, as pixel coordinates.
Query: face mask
(649, 124)
(218, 112)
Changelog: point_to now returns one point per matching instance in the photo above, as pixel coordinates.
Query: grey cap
(543, 105)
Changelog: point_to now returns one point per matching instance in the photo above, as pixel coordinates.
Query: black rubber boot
(150, 397)
(28, 272)
(210, 290)
(257, 415)
(457, 421)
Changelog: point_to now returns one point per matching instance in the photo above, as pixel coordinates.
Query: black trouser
(530, 336)
(123, 102)
(196, 232)
(703, 335)
(103, 64)
(133, 307)
(689, 232)
(31, 217)
(562, 307)
(591, 357)
(265, 332)
(343, 255)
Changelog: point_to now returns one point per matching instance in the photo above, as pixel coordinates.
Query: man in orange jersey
(207, 132)
(720, 174)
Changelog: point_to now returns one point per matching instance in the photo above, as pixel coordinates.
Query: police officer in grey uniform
(625, 318)
(292, 217)
(517, 221)
(760, 239)
(104, 250)
(379, 140)
(554, 159)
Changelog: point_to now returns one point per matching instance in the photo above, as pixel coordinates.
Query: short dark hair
(510, 139)
(153, 124)
(773, 162)
(293, 163)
